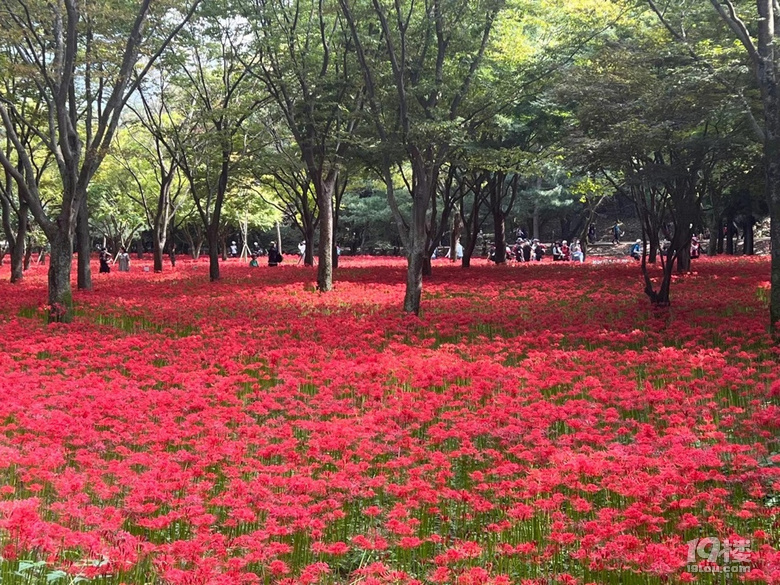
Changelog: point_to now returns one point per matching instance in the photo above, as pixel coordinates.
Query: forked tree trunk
(84, 246)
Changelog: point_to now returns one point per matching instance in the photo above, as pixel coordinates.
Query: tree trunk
(471, 232)
(27, 255)
(774, 302)
(427, 269)
(654, 244)
(716, 237)
(730, 235)
(17, 243)
(772, 162)
(139, 248)
(17, 262)
(416, 253)
(457, 224)
(536, 216)
(19, 248)
(325, 201)
(500, 236)
(414, 271)
(158, 253)
(684, 258)
(60, 293)
(308, 239)
(212, 237)
(84, 245)
(747, 227)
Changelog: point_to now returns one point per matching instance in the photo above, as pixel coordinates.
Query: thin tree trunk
(84, 245)
(27, 255)
(457, 224)
(536, 217)
(471, 232)
(730, 235)
(19, 248)
(772, 162)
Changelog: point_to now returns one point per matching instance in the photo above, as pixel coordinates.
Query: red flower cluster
(535, 425)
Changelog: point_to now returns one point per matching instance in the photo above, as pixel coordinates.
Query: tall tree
(214, 83)
(151, 138)
(755, 25)
(303, 61)
(78, 60)
(419, 60)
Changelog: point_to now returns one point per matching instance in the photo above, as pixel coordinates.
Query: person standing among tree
(301, 251)
(104, 258)
(576, 252)
(274, 257)
(616, 233)
(124, 260)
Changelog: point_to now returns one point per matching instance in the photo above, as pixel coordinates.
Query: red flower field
(535, 425)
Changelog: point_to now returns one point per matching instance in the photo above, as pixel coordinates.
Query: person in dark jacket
(274, 256)
(104, 258)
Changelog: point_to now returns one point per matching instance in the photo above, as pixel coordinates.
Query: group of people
(527, 250)
(106, 260)
(636, 248)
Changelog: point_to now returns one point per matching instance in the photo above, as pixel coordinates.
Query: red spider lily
(534, 425)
